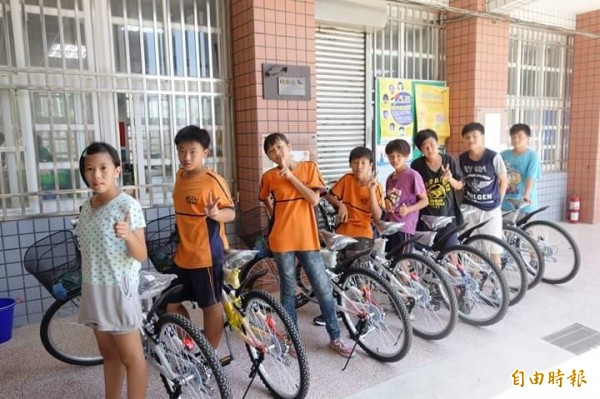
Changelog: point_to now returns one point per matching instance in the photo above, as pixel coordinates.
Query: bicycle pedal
(225, 360)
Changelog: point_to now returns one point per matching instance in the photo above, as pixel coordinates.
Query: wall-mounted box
(286, 82)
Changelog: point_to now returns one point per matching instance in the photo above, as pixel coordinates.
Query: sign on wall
(403, 107)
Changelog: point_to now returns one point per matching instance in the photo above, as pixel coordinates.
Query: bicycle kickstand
(360, 326)
(254, 371)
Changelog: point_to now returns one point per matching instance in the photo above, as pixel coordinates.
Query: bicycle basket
(253, 227)
(55, 261)
(161, 242)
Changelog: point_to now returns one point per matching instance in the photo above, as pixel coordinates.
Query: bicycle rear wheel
(528, 250)
(283, 365)
(269, 282)
(435, 311)
(65, 338)
(561, 253)
(480, 288)
(375, 315)
(511, 264)
(188, 365)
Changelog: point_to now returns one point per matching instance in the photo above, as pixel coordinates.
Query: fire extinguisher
(574, 204)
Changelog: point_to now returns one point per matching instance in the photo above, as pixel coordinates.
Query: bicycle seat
(386, 228)
(426, 237)
(436, 222)
(516, 202)
(466, 211)
(235, 258)
(153, 283)
(336, 242)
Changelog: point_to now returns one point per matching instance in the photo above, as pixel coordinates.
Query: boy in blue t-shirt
(523, 167)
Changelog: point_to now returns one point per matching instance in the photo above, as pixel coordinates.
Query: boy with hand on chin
(290, 192)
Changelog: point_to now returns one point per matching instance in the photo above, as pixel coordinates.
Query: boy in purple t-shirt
(405, 192)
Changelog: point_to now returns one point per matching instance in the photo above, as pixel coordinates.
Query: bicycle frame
(231, 302)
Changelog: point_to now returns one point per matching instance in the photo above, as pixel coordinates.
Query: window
(410, 46)
(539, 81)
(156, 66)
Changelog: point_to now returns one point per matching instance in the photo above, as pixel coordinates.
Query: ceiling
(571, 6)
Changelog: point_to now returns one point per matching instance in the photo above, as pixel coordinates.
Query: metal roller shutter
(341, 77)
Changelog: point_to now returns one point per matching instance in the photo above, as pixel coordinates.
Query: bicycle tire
(270, 282)
(470, 288)
(551, 263)
(278, 345)
(378, 321)
(65, 338)
(430, 289)
(513, 267)
(195, 359)
(530, 252)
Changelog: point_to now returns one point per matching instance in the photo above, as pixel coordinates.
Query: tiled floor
(471, 363)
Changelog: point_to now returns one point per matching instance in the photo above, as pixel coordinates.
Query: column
(584, 158)
(476, 68)
(276, 32)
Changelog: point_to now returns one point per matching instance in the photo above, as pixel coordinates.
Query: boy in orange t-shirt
(202, 203)
(290, 191)
(358, 198)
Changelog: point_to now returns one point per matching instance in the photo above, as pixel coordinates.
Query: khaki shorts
(493, 227)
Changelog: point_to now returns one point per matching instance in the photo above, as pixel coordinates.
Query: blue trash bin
(7, 307)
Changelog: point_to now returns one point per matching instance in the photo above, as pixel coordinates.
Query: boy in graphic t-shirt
(524, 168)
(442, 177)
(485, 183)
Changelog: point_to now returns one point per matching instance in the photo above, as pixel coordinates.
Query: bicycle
(371, 309)
(271, 338)
(558, 250)
(186, 362)
(425, 289)
(481, 290)
(511, 263)
(431, 300)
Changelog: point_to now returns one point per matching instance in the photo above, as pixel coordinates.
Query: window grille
(411, 46)
(127, 72)
(539, 91)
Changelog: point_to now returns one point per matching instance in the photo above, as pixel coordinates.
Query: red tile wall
(269, 31)
(476, 68)
(584, 151)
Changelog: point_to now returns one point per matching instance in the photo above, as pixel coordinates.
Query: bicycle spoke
(282, 361)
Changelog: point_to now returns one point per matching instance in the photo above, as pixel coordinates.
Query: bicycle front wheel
(65, 338)
(278, 351)
(511, 263)
(375, 315)
(528, 250)
(269, 282)
(187, 363)
(435, 310)
(480, 288)
(561, 253)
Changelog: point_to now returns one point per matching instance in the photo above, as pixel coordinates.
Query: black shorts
(202, 286)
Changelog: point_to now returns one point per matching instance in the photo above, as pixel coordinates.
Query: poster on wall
(432, 109)
(394, 107)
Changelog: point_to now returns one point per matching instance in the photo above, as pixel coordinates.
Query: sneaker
(341, 347)
(320, 321)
